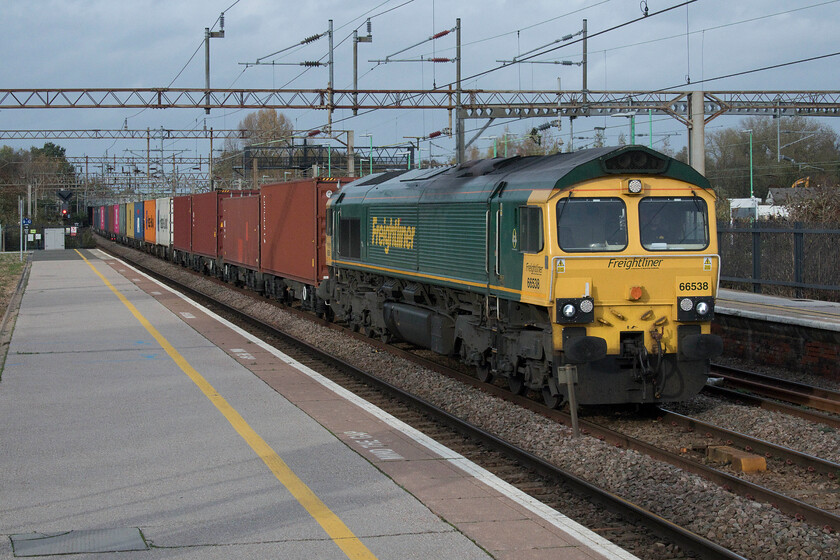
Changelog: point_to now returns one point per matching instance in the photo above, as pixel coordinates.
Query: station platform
(798, 335)
(808, 313)
(134, 421)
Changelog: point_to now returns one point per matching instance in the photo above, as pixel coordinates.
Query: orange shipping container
(149, 223)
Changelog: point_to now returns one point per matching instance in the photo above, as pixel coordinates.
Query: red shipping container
(181, 225)
(241, 231)
(113, 225)
(294, 228)
(207, 219)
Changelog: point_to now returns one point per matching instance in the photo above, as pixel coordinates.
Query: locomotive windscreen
(673, 224)
(591, 224)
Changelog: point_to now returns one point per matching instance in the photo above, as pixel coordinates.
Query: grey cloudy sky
(147, 43)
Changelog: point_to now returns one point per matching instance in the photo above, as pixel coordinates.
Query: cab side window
(530, 229)
(349, 238)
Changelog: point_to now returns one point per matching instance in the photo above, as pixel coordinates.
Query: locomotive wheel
(552, 401)
(516, 384)
(483, 372)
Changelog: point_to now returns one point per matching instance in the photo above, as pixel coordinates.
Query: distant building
(751, 208)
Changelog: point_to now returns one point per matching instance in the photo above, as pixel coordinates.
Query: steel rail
(684, 538)
(810, 415)
(781, 389)
(802, 388)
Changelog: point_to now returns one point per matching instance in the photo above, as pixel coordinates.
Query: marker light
(634, 186)
(586, 306)
(686, 304)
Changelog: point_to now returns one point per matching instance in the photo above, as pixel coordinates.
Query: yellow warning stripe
(335, 527)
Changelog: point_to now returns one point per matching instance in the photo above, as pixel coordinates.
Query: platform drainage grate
(78, 542)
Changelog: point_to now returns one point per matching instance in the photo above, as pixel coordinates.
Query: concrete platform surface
(134, 408)
(815, 314)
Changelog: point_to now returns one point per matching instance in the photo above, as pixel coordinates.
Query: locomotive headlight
(575, 311)
(701, 308)
(634, 186)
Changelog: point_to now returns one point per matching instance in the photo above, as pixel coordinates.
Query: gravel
(752, 529)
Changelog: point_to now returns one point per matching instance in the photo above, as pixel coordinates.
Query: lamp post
(406, 153)
(493, 138)
(632, 117)
(752, 197)
(504, 139)
(370, 155)
(419, 157)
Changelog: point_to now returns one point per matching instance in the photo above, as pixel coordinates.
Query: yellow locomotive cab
(635, 265)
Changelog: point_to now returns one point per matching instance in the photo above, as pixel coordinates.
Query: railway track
(824, 400)
(624, 523)
(804, 401)
(688, 458)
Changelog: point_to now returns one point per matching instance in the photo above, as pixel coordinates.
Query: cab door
(504, 259)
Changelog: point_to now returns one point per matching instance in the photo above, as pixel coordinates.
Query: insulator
(439, 59)
(314, 133)
(567, 37)
(368, 26)
(435, 134)
(441, 34)
(310, 39)
(222, 21)
(310, 63)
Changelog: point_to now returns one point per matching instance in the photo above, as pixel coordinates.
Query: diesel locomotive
(603, 258)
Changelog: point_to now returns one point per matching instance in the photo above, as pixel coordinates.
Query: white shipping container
(163, 223)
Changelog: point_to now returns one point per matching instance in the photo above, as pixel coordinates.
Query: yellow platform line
(335, 527)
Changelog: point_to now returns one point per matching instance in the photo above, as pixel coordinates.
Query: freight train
(604, 259)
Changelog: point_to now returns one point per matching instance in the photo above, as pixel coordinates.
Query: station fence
(781, 258)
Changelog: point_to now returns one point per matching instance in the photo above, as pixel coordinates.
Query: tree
(600, 138)
(806, 148)
(263, 127)
(822, 208)
(267, 126)
(622, 139)
(45, 169)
